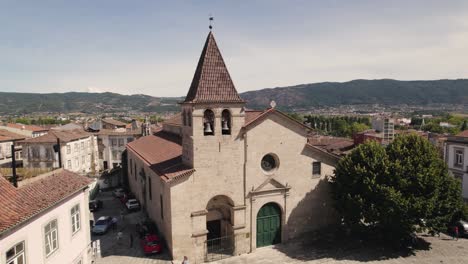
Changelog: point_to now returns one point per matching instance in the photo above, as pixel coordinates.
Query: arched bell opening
(208, 123)
(226, 122)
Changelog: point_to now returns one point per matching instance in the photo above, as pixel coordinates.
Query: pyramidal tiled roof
(212, 82)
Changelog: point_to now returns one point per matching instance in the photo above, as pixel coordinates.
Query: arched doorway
(269, 225)
(219, 240)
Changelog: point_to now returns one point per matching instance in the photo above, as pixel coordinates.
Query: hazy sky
(151, 47)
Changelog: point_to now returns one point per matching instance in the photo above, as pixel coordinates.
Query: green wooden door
(268, 225)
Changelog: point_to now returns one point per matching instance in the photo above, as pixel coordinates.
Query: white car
(119, 192)
(102, 225)
(132, 204)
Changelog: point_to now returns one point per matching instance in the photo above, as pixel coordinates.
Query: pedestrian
(131, 240)
(455, 232)
(114, 223)
(185, 261)
(122, 214)
(119, 235)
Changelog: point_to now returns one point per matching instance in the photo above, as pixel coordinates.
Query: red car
(151, 244)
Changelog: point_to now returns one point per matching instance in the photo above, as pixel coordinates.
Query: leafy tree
(464, 126)
(389, 193)
(296, 116)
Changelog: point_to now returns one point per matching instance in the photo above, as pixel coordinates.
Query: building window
(68, 149)
(69, 165)
(129, 139)
(36, 154)
(114, 142)
(208, 123)
(83, 161)
(51, 237)
(184, 118)
(161, 206)
(77, 162)
(76, 147)
(121, 142)
(75, 217)
(458, 162)
(150, 187)
(316, 168)
(82, 145)
(50, 154)
(16, 255)
(135, 170)
(226, 122)
(269, 163)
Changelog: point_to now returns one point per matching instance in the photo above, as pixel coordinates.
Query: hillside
(84, 102)
(385, 92)
(304, 96)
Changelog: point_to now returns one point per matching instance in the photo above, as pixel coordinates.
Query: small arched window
(226, 122)
(208, 123)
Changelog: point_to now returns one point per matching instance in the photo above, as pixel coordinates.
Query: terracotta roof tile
(27, 127)
(256, 116)
(113, 132)
(113, 122)
(174, 120)
(52, 135)
(162, 152)
(212, 82)
(463, 134)
(14, 136)
(335, 145)
(20, 204)
(251, 115)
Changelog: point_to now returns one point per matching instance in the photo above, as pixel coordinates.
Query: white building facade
(58, 232)
(78, 151)
(456, 157)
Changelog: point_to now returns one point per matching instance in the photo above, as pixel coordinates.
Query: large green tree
(389, 193)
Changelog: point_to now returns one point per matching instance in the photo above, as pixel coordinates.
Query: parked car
(462, 228)
(151, 244)
(94, 205)
(132, 204)
(124, 199)
(102, 225)
(119, 192)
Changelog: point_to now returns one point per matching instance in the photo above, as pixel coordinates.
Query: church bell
(208, 128)
(225, 126)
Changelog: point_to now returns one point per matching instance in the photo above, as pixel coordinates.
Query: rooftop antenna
(211, 19)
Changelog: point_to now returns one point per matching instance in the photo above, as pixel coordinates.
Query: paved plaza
(110, 250)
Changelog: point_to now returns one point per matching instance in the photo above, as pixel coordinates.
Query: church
(221, 180)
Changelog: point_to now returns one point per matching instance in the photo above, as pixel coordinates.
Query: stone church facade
(221, 180)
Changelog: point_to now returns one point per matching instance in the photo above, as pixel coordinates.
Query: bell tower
(212, 112)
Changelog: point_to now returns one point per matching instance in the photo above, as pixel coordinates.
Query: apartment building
(78, 151)
(45, 220)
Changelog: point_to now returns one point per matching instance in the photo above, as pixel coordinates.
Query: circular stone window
(269, 163)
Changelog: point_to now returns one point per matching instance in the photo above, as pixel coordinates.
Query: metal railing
(219, 248)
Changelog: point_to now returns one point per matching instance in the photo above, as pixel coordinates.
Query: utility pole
(58, 149)
(13, 165)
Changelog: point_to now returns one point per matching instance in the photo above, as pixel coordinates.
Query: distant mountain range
(303, 97)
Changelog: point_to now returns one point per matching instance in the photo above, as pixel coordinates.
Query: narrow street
(114, 251)
(110, 249)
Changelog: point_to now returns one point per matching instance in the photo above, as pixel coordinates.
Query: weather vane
(211, 19)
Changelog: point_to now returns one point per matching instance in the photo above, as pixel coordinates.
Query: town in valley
(371, 170)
